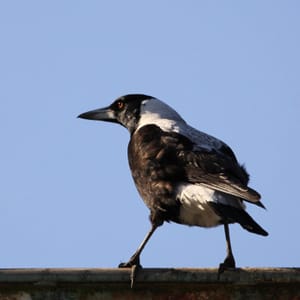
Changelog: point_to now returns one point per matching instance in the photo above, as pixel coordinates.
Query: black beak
(101, 114)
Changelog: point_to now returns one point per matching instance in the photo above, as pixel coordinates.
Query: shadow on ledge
(191, 284)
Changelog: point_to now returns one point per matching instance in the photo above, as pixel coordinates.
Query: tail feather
(232, 214)
(258, 203)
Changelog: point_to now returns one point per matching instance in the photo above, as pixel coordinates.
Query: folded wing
(220, 171)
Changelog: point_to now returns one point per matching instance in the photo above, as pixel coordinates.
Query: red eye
(120, 105)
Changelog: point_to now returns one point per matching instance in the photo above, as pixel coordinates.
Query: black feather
(231, 214)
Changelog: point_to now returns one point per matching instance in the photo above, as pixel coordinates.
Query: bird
(182, 174)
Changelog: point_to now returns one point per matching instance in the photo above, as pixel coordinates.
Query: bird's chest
(153, 170)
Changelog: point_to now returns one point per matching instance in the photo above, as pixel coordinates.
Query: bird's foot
(228, 264)
(134, 264)
(133, 261)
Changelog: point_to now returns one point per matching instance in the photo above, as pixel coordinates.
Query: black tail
(232, 214)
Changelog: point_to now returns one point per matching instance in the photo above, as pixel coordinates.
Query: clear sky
(230, 68)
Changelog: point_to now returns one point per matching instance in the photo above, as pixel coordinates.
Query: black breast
(153, 160)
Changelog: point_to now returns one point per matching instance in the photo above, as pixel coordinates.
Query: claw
(135, 265)
(134, 271)
(133, 261)
(228, 264)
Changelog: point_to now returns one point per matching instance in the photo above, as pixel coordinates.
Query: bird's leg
(135, 258)
(134, 261)
(229, 262)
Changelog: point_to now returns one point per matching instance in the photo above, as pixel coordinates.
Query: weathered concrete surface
(173, 284)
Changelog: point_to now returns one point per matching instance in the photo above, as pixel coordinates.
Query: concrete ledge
(96, 284)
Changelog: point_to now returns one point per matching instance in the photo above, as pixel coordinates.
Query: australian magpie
(183, 175)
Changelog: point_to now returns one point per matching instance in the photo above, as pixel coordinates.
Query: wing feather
(218, 171)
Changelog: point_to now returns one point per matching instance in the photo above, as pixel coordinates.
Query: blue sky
(230, 68)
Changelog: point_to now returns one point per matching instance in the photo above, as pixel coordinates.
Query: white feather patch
(195, 208)
(154, 111)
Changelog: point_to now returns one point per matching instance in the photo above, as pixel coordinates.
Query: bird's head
(133, 111)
